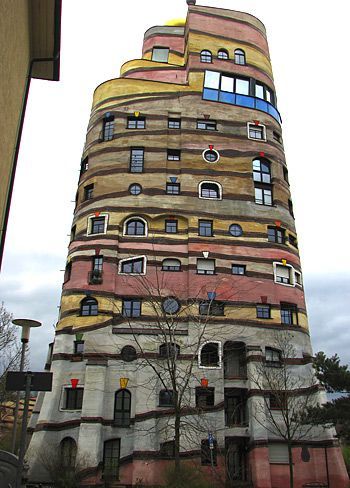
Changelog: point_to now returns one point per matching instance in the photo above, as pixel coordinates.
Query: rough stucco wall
(14, 62)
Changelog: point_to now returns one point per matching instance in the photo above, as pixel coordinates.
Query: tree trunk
(290, 460)
(177, 439)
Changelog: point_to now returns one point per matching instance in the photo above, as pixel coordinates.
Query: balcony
(241, 101)
(95, 277)
(236, 414)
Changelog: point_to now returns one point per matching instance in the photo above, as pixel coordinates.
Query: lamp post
(26, 325)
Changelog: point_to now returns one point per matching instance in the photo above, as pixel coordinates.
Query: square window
(238, 269)
(173, 154)
(73, 398)
(263, 195)
(131, 308)
(205, 228)
(171, 226)
(212, 308)
(173, 188)
(283, 274)
(206, 266)
(160, 54)
(97, 225)
(174, 123)
(263, 311)
(136, 123)
(88, 192)
(78, 347)
(205, 397)
(278, 453)
(293, 240)
(206, 124)
(167, 450)
(276, 234)
(166, 398)
(137, 156)
(256, 131)
(272, 356)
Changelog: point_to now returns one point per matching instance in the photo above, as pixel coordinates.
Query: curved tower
(183, 273)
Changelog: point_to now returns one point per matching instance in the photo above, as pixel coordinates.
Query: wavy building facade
(183, 251)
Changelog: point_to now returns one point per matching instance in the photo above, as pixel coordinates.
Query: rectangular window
(278, 453)
(111, 457)
(293, 240)
(137, 156)
(173, 188)
(208, 452)
(97, 263)
(206, 124)
(298, 278)
(98, 225)
(272, 356)
(274, 402)
(171, 226)
(277, 136)
(84, 165)
(263, 196)
(238, 269)
(78, 347)
(133, 266)
(276, 234)
(136, 123)
(160, 54)
(212, 308)
(131, 308)
(174, 123)
(263, 311)
(167, 450)
(283, 274)
(88, 192)
(256, 131)
(205, 397)
(285, 174)
(289, 314)
(205, 228)
(173, 154)
(74, 398)
(290, 207)
(108, 128)
(206, 266)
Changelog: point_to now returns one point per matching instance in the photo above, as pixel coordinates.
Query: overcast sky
(308, 45)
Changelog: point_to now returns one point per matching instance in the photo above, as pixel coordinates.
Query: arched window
(239, 56)
(171, 265)
(135, 227)
(68, 452)
(122, 405)
(169, 350)
(206, 56)
(89, 306)
(209, 190)
(222, 54)
(210, 355)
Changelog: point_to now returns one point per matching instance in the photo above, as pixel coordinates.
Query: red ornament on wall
(204, 382)
(211, 146)
(74, 382)
(97, 214)
(278, 223)
(263, 299)
(262, 154)
(256, 122)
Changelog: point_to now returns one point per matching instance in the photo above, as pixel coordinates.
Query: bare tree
(287, 395)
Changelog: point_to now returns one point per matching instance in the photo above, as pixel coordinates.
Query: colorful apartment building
(182, 272)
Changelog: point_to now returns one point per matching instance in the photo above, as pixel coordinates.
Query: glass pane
(227, 98)
(209, 94)
(212, 79)
(259, 91)
(160, 54)
(245, 101)
(227, 84)
(242, 86)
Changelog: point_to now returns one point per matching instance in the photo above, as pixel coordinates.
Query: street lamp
(26, 325)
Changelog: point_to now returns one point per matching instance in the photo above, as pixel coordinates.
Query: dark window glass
(136, 123)
(206, 56)
(205, 228)
(173, 154)
(261, 171)
(277, 136)
(108, 128)
(222, 54)
(68, 453)
(235, 408)
(174, 123)
(171, 306)
(73, 232)
(173, 188)
(88, 192)
(275, 234)
(84, 165)
(68, 272)
(209, 355)
(210, 190)
(135, 227)
(290, 206)
(171, 226)
(74, 398)
(128, 354)
(211, 156)
(111, 456)
(206, 124)
(289, 314)
(166, 398)
(212, 308)
(263, 196)
(171, 265)
(285, 174)
(78, 347)
(292, 240)
(238, 269)
(88, 306)
(167, 450)
(98, 225)
(208, 456)
(263, 311)
(235, 230)
(136, 160)
(256, 132)
(169, 350)
(133, 266)
(275, 401)
(122, 406)
(272, 355)
(239, 56)
(135, 189)
(131, 308)
(205, 397)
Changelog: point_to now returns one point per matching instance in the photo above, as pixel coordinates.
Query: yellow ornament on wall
(123, 382)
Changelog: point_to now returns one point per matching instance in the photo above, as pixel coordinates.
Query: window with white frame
(256, 131)
(210, 355)
(210, 190)
(205, 266)
(298, 278)
(97, 224)
(284, 274)
(135, 226)
(136, 265)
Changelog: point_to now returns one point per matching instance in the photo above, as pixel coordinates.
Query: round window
(128, 353)
(171, 306)
(235, 230)
(210, 155)
(135, 189)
